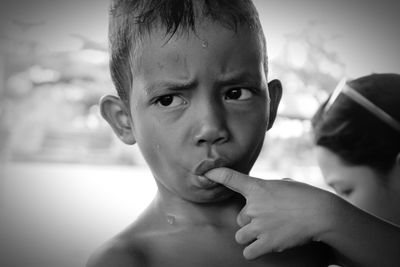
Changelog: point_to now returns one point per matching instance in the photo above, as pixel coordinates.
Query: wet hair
(356, 135)
(131, 20)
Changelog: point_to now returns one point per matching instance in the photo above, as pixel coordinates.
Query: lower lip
(205, 182)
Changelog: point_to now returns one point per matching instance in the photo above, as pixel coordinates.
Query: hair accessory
(335, 94)
(342, 87)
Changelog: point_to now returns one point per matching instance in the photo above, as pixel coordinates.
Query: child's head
(193, 82)
(358, 151)
(132, 20)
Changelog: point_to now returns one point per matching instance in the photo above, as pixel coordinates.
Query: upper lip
(208, 164)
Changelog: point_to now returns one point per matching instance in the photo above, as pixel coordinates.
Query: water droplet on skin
(204, 44)
(170, 219)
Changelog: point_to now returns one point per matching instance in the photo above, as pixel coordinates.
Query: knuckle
(245, 210)
(240, 220)
(243, 219)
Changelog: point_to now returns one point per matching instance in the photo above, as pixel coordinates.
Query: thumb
(234, 180)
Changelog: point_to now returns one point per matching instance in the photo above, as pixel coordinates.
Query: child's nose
(211, 126)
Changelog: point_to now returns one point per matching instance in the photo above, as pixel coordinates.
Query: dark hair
(130, 20)
(354, 133)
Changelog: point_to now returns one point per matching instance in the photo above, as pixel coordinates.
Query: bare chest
(215, 249)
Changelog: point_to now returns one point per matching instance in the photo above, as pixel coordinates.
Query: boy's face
(198, 102)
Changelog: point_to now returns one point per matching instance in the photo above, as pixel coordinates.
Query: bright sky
(367, 37)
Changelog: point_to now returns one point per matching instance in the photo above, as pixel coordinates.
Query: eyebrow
(170, 85)
(227, 79)
(238, 77)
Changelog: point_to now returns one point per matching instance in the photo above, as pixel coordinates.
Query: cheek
(249, 138)
(252, 122)
(255, 128)
(159, 143)
(369, 197)
(149, 140)
(361, 199)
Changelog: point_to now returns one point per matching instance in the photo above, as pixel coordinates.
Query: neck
(180, 212)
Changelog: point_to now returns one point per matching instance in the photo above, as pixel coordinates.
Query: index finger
(234, 180)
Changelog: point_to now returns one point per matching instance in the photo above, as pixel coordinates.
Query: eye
(238, 94)
(170, 101)
(345, 192)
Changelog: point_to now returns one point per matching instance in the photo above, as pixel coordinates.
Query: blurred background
(67, 184)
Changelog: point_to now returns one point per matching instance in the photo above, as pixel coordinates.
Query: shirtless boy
(192, 90)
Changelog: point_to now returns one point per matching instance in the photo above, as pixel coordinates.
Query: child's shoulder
(127, 248)
(117, 252)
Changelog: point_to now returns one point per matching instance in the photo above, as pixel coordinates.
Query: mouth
(209, 164)
(204, 167)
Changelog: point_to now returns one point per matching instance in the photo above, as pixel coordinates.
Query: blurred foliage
(308, 72)
(49, 102)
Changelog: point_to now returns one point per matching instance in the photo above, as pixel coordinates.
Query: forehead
(211, 49)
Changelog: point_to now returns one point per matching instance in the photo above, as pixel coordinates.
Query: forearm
(358, 238)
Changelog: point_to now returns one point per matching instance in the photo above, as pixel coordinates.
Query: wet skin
(193, 108)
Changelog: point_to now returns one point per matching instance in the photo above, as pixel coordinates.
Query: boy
(192, 83)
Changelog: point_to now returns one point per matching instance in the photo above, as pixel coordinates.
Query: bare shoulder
(130, 247)
(116, 253)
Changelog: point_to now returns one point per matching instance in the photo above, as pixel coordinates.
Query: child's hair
(354, 133)
(130, 20)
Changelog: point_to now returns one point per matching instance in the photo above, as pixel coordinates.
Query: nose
(211, 126)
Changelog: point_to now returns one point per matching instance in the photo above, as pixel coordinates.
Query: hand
(279, 214)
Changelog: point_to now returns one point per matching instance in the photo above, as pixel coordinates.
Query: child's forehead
(204, 33)
(182, 72)
(226, 53)
(202, 25)
(210, 39)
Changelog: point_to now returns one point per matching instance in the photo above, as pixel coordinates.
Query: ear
(275, 94)
(115, 112)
